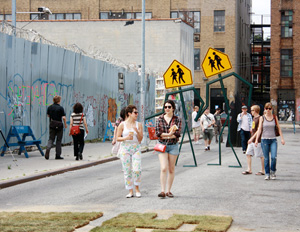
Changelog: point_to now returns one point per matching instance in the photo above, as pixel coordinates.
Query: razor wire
(95, 53)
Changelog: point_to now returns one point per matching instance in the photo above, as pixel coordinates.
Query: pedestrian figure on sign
(174, 75)
(212, 64)
(180, 73)
(218, 60)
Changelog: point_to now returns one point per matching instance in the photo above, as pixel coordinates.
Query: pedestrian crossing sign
(215, 62)
(177, 75)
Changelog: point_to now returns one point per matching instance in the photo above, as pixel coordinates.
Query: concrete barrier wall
(32, 73)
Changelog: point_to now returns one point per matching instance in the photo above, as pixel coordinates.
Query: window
(121, 82)
(286, 23)
(197, 59)
(123, 15)
(219, 20)
(286, 63)
(220, 49)
(255, 80)
(59, 16)
(5, 17)
(255, 59)
(192, 17)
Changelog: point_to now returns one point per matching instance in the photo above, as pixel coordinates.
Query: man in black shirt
(55, 112)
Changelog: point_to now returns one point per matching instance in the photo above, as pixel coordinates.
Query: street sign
(177, 75)
(215, 62)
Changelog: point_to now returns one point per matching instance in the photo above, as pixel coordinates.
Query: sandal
(260, 174)
(246, 173)
(162, 194)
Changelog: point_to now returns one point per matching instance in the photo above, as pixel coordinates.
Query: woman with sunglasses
(168, 137)
(130, 133)
(266, 129)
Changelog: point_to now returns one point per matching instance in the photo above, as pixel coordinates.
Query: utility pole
(143, 70)
(13, 15)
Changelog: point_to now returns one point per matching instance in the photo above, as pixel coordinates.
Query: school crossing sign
(177, 75)
(215, 62)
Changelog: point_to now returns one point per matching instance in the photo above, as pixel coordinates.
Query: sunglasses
(268, 108)
(136, 112)
(168, 107)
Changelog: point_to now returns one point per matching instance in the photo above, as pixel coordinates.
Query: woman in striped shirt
(78, 119)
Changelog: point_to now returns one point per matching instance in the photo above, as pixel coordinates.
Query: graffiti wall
(32, 73)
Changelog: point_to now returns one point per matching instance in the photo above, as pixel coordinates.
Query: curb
(11, 183)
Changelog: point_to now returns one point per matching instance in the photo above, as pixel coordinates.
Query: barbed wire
(95, 53)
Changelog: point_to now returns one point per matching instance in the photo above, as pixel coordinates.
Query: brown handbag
(276, 126)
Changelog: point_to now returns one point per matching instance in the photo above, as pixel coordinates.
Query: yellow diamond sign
(177, 75)
(215, 62)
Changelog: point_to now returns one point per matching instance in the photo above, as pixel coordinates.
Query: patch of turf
(44, 222)
(131, 221)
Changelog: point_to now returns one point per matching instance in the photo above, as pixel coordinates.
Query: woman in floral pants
(130, 133)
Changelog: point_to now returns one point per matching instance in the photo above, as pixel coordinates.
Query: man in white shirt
(196, 125)
(245, 127)
(207, 121)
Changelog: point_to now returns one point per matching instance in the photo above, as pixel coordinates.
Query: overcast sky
(261, 7)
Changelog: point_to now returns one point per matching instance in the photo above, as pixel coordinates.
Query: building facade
(285, 76)
(224, 25)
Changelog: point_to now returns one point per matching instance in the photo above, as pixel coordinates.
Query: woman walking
(130, 133)
(266, 129)
(78, 119)
(168, 129)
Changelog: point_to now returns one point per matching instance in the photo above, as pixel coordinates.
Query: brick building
(224, 25)
(285, 75)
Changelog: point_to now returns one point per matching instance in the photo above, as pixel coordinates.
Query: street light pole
(13, 15)
(143, 69)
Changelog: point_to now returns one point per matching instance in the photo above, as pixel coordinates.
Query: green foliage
(45, 222)
(127, 222)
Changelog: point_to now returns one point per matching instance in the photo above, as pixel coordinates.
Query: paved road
(254, 204)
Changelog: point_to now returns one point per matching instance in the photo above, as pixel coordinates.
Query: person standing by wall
(196, 126)
(78, 119)
(218, 124)
(244, 120)
(207, 121)
(266, 129)
(56, 113)
(118, 122)
(130, 133)
(168, 128)
(253, 150)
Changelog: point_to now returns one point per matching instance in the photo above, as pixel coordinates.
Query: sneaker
(206, 149)
(244, 152)
(129, 195)
(267, 177)
(47, 154)
(59, 158)
(273, 177)
(138, 194)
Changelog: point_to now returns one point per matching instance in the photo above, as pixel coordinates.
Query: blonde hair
(256, 108)
(268, 105)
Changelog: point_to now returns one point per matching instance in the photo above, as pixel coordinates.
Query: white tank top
(126, 133)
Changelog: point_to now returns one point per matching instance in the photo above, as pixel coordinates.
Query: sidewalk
(36, 166)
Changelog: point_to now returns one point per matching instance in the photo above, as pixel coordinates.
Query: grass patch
(44, 222)
(127, 222)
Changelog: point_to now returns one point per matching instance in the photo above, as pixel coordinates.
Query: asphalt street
(254, 204)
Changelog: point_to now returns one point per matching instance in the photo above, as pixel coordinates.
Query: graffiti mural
(286, 110)
(28, 88)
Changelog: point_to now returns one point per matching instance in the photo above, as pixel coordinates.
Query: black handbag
(56, 125)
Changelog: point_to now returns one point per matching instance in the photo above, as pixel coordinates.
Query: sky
(261, 7)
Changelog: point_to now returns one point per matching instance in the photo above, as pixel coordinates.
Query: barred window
(286, 63)
(286, 23)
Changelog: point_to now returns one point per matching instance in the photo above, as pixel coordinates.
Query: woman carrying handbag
(78, 119)
(267, 129)
(168, 128)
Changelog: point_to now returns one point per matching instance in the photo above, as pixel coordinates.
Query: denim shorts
(172, 149)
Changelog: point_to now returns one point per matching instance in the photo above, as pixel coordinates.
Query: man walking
(56, 113)
(196, 126)
(218, 125)
(244, 120)
(207, 121)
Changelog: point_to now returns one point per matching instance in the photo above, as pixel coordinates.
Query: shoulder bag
(75, 130)
(276, 126)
